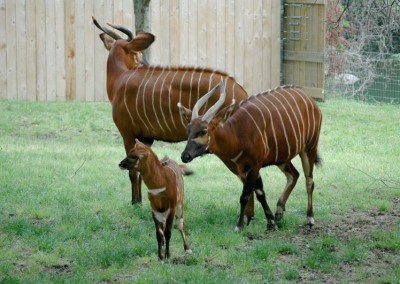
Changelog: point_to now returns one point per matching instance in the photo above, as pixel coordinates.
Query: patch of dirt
(347, 226)
(353, 225)
(59, 268)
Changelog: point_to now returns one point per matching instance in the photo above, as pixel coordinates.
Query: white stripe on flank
(283, 125)
(169, 99)
(156, 191)
(161, 100)
(258, 128)
(311, 114)
(299, 141)
(302, 95)
(144, 97)
(152, 99)
(273, 128)
(126, 86)
(199, 84)
(137, 99)
(291, 122)
(191, 88)
(300, 114)
(264, 128)
(237, 157)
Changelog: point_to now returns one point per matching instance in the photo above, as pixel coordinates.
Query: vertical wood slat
(155, 48)
(41, 68)
(239, 42)
(3, 51)
(248, 46)
(11, 50)
(184, 32)
(21, 49)
(257, 47)
(60, 58)
(230, 36)
(80, 50)
(70, 50)
(193, 58)
(266, 45)
(174, 50)
(88, 51)
(50, 40)
(202, 32)
(164, 35)
(211, 34)
(275, 48)
(99, 56)
(31, 50)
(221, 36)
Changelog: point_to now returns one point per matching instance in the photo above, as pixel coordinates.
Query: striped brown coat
(144, 98)
(270, 128)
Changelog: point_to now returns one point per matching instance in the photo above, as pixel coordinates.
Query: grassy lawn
(65, 213)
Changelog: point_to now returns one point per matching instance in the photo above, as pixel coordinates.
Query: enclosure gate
(303, 37)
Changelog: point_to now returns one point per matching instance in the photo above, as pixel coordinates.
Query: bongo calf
(165, 191)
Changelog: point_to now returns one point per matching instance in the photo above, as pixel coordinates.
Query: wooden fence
(241, 37)
(50, 50)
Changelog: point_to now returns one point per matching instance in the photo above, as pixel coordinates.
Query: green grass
(65, 213)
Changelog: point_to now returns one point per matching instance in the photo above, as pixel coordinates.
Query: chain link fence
(366, 76)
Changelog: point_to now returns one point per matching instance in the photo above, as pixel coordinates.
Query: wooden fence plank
(80, 50)
(50, 40)
(184, 32)
(275, 48)
(256, 52)
(174, 48)
(60, 50)
(230, 36)
(41, 70)
(31, 50)
(70, 50)
(248, 41)
(221, 36)
(155, 48)
(239, 41)
(3, 51)
(202, 32)
(11, 50)
(266, 55)
(88, 39)
(99, 65)
(118, 12)
(211, 34)
(21, 49)
(193, 35)
(128, 17)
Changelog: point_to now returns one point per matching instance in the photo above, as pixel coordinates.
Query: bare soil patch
(353, 225)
